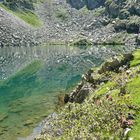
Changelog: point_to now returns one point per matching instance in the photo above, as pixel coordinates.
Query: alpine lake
(32, 78)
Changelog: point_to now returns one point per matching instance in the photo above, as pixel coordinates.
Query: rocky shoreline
(91, 82)
(92, 79)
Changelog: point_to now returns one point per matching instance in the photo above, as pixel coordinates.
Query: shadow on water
(32, 78)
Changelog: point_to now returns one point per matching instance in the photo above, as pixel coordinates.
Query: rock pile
(94, 78)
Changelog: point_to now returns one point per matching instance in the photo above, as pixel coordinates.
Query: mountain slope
(22, 9)
(107, 22)
(12, 29)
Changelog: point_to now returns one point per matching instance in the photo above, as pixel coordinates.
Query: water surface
(32, 78)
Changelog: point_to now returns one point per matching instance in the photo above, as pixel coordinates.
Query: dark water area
(32, 78)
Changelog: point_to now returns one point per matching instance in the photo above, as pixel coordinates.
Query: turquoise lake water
(32, 78)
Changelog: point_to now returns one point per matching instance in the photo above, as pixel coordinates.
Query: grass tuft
(28, 16)
(136, 60)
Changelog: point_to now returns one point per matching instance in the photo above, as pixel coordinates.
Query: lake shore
(102, 91)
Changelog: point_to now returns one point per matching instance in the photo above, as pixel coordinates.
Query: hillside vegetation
(111, 110)
(24, 9)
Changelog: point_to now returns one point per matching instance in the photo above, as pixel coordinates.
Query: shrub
(133, 24)
(124, 14)
(87, 121)
(120, 25)
(62, 14)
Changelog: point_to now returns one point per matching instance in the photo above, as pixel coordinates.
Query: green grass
(136, 60)
(89, 119)
(62, 14)
(106, 88)
(28, 16)
(136, 130)
(134, 88)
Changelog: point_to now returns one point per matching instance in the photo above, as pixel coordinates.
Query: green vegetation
(101, 114)
(134, 90)
(99, 12)
(136, 60)
(124, 14)
(122, 8)
(85, 11)
(30, 18)
(86, 121)
(22, 97)
(18, 4)
(105, 88)
(62, 14)
(25, 14)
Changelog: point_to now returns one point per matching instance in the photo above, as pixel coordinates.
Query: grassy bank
(28, 16)
(102, 114)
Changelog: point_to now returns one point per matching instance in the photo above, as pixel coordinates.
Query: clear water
(32, 78)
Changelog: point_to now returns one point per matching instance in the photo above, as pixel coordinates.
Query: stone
(115, 64)
(28, 122)
(66, 98)
(79, 96)
(126, 131)
(3, 116)
(83, 93)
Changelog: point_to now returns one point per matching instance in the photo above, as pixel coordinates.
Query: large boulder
(83, 93)
(116, 63)
(79, 94)
(112, 65)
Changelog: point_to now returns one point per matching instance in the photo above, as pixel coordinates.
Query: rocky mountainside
(105, 105)
(66, 21)
(90, 4)
(14, 31)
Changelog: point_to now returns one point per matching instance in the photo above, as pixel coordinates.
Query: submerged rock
(3, 116)
(28, 122)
